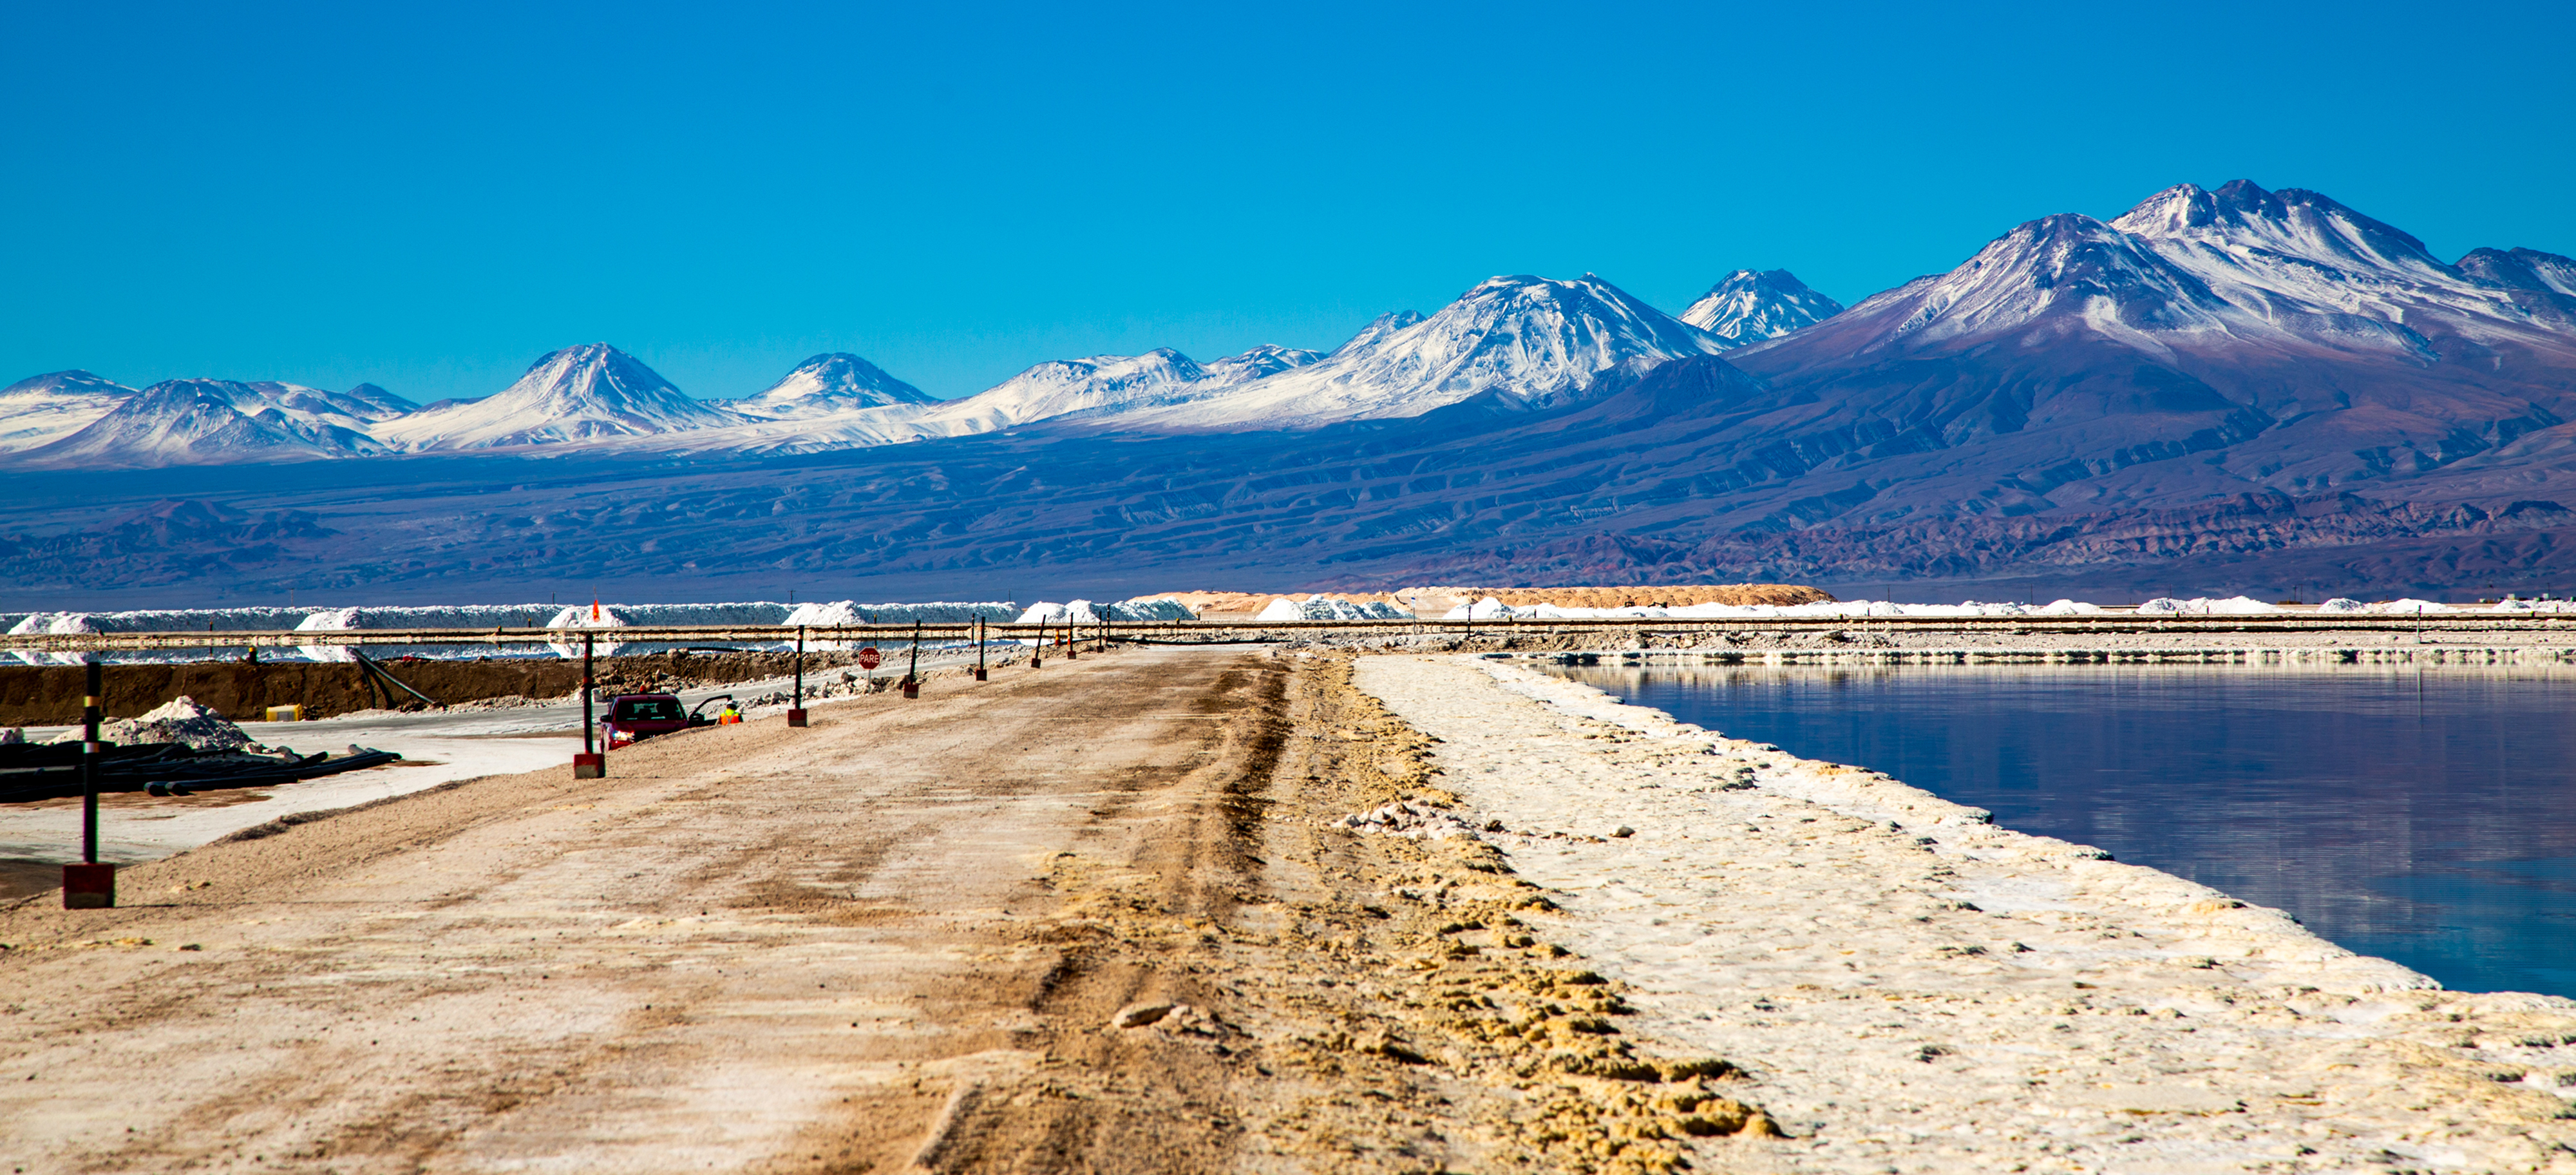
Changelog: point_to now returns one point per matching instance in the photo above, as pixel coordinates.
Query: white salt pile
(1325, 608)
(182, 720)
(2203, 606)
(1093, 612)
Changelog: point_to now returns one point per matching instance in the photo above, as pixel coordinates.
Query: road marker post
(590, 763)
(979, 648)
(796, 708)
(90, 885)
(912, 675)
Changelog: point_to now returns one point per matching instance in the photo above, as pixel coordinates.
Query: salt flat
(1912, 988)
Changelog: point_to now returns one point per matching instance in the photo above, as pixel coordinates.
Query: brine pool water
(2428, 818)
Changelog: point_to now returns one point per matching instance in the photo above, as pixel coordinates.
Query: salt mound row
(181, 720)
(146, 620)
(816, 615)
(2411, 607)
(1491, 608)
(2231, 606)
(1327, 608)
(434, 616)
(1092, 612)
(843, 612)
(494, 616)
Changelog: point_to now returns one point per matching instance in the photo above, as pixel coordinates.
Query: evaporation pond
(2429, 819)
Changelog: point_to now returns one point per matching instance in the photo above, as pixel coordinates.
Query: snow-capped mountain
(2319, 270)
(218, 422)
(2192, 271)
(836, 382)
(1748, 307)
(42, 409)
(1532, 342)
(1377, 330)
(365, 402)
(1265, 360)
(1067, 386)
(1096, 387)
(589, 392)
(2522, 269)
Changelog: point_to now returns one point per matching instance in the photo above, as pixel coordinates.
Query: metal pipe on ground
(377, 670)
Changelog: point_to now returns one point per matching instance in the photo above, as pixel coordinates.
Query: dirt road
(752, 946)
(1093, 917)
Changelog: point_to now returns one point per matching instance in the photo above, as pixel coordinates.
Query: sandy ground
(750, 947)
(1913, 989)
(438, 747)
(1185, 910)
(1092, 917)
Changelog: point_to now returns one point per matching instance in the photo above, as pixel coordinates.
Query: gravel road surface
(750, 948)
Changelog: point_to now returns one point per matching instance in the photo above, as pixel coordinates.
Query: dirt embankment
(50, 695)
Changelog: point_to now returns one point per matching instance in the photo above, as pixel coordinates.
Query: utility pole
(912, 675)
(90, 885)
(590, 763)
(796, 708)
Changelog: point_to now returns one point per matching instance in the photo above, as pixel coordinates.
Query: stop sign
(868, 657)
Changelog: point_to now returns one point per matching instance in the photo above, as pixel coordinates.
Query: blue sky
(429, 199)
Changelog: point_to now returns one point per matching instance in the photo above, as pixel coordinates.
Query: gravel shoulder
(1909, 987)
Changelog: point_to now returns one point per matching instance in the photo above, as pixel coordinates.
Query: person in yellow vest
(731, 714)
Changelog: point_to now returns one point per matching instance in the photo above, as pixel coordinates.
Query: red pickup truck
(640, 716)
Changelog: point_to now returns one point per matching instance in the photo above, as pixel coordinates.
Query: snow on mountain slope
(1377, 330)
(2195, 271)
(2523, 269)
(1748, 307)
(1265, 360)
(365, 402)
(2322, 271)
(836, 382)
(1097, 386)
(215, 422)
(2069, 268)
(1534, 342)
(1067, 386)
(582, 393)
(42, 409)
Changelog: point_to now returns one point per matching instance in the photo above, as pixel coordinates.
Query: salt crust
(1909, 984)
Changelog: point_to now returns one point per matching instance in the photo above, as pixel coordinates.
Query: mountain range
(1538, 343)
(2250, 387)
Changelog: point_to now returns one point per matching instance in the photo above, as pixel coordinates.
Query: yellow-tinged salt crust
(1912, 986)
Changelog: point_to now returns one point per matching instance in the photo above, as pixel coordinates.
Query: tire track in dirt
(752, 947)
